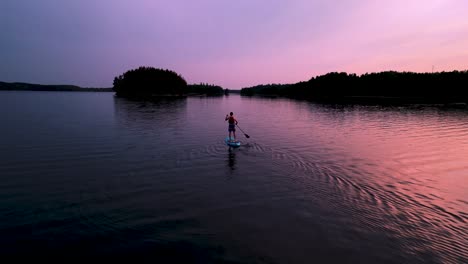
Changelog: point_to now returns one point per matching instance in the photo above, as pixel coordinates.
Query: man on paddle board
(232, 121)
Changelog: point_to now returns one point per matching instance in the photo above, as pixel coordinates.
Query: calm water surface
(85, 174)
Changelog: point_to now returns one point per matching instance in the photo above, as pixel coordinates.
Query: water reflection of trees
(149, 115)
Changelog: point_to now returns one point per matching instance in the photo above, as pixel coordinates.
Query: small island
(148, 83)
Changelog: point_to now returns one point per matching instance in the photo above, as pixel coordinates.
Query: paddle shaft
(247, 136)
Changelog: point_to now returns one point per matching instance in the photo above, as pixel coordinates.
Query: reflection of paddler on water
(231, 158)
(232, 122)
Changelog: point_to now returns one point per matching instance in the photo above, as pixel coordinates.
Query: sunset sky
(229, 43)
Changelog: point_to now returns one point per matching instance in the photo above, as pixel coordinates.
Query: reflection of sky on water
(382, 184)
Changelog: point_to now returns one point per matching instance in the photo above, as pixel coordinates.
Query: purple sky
(230, 43)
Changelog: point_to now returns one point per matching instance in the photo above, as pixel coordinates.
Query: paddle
(247, 136)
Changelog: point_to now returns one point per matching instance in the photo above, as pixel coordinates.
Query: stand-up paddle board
(232, 143)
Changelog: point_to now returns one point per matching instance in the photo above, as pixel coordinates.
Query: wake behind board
(230, 143)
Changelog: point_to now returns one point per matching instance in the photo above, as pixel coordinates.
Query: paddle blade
(247, 136)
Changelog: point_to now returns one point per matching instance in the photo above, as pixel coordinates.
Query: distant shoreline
(381, 88)
(388, 87)
(19, 86)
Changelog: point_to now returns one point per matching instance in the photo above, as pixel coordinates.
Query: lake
(87, 174)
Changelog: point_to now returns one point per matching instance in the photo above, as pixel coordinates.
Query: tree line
(388, 85)
(205, 88)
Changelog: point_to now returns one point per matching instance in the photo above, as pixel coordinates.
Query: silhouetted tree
(149, 82)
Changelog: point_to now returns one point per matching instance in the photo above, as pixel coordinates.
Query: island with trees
(382, 87)
(147, 83)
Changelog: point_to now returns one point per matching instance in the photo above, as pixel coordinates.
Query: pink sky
(230, 43)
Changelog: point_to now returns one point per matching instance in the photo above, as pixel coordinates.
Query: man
(232, 121)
